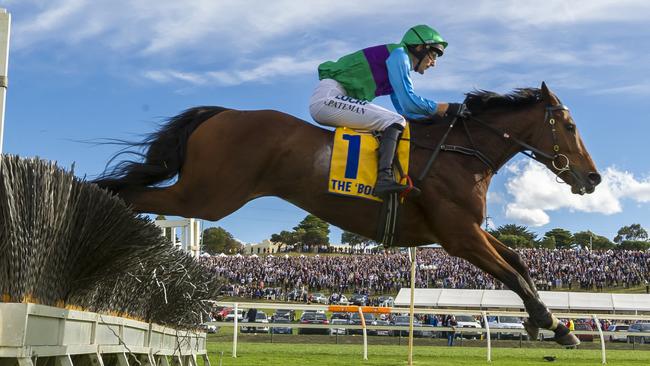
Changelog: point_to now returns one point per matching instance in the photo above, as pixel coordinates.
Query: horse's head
(562, 149)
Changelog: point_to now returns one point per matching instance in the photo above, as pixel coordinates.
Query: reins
(528, 150)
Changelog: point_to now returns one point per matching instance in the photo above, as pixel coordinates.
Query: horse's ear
(546, 94)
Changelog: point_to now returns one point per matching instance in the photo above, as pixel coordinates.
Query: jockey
(347, 87)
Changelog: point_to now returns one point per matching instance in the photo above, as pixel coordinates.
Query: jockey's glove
(458, 110)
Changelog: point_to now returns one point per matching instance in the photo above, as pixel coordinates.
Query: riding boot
(386, 184)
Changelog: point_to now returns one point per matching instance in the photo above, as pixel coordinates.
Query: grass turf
(267, 354)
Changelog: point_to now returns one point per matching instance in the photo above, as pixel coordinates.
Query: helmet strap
(420, 55)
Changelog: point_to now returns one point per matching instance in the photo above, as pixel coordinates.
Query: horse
(223, 158)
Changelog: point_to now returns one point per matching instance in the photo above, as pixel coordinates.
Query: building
(265, 247)
(185, 233)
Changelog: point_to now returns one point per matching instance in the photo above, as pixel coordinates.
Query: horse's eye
(570, 127)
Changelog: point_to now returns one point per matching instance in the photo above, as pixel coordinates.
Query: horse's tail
(162, 153)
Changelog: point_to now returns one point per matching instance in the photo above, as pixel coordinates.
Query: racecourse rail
(404, 310)
(82, 338)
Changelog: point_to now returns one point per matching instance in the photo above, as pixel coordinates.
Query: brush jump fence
(67, 244)
(600, 333)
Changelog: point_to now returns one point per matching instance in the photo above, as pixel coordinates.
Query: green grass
(267, 354)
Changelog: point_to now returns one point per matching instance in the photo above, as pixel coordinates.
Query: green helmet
(423, 34)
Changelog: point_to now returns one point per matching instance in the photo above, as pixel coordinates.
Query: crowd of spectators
(387, 272)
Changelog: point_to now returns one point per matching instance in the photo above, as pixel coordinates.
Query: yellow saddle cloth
(353, 169)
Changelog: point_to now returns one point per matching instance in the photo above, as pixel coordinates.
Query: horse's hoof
(531, 329)
(568, 340)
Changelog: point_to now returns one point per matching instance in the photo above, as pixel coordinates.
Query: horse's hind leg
(179, 200)
(471, 244)
(162, 201)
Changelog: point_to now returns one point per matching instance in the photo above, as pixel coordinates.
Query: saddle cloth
(353, 168)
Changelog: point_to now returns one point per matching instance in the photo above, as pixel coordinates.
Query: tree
(586, 238)
(313, 231)
(218, 240)
(633, 245)
(563, 238)
(515, 236)
(633, 232)
(285, 237)
(515, 241)
(547, 242)
(512, 229)
(353, 240)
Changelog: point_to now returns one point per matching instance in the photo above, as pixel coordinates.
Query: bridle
(533, 152)
(559, 161)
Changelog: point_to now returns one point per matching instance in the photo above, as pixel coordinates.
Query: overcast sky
(83, 69)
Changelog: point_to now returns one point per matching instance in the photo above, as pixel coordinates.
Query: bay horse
(224, 158)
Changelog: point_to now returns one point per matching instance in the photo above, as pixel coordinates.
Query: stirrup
(389, 187)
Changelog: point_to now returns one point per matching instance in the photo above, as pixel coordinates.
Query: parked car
(382, 332)
(359, 299)
(355, 319)
(318, 297)
(314, 311)
(230, 316)
(313, 318)
(506, 323)
(345, 316)
(260, 317)
(343, 300)
(639, 327)
(285, 329)
(295, 295)
(283, 313)
(584, 337)
(618, 328)
(338, 321)
(387, 301)
(468, 321)
(428, 332)
(209, 328)
(221, 313)
(403, 321)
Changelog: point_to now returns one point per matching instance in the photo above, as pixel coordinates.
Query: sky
(82, 70)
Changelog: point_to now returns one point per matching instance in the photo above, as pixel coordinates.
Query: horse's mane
(482, 100)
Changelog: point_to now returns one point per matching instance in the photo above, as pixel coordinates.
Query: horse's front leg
(516, 262)
(472, 244)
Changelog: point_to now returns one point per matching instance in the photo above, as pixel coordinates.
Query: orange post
(355, 308)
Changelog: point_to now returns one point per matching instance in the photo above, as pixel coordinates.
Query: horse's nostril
(594, 178)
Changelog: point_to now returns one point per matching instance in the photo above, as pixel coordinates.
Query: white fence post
(602, 338)
(234, 332)
(487, 333)
(413, 251)
(5, 27)
(365, 335)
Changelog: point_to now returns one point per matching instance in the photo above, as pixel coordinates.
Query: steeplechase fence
(29, 332)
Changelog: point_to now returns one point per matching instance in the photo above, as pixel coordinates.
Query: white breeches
(329, 105)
